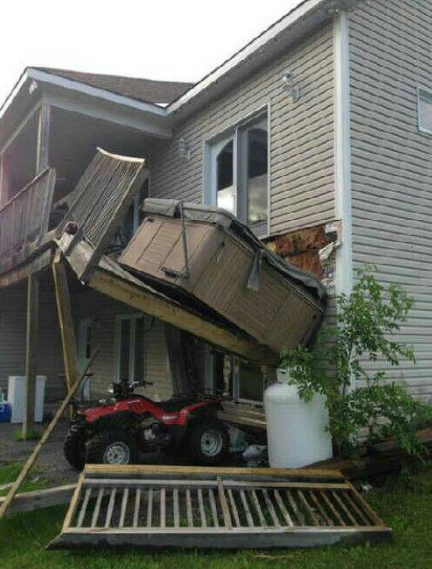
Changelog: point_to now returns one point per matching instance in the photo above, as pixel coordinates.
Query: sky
(177, 40)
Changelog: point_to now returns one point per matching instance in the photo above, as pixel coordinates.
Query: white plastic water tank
(16, 396)
(296, 430)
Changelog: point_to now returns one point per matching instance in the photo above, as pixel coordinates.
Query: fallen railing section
(154, 506)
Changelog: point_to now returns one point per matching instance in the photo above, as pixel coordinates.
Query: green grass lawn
(406, 507)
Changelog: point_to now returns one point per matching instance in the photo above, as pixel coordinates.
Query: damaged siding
(391, 46)
(301, 137)
(103, 311)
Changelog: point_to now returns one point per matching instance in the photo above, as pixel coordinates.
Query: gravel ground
(51, 462)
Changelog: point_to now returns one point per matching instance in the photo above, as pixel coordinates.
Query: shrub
(364, 330)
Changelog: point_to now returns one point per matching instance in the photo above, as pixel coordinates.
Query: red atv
(114, 431)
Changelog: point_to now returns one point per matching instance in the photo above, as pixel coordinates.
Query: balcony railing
(24, 220)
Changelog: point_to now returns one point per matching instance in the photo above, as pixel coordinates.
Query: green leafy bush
(364, 330)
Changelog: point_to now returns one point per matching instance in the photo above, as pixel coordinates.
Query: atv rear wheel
(73, 447)
(111, 448)
(208, 441)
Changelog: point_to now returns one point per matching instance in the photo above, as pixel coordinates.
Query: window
(425, 110)
(130, 364)
(238, 180)
(249, 383)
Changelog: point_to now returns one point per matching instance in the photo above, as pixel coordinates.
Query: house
(317, 135)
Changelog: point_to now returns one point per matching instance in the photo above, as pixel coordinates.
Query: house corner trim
(343, 181)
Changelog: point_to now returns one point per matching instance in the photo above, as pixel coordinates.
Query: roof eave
(309, 15)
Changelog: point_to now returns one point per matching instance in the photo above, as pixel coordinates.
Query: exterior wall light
(184, 149)
(293, 90)
(33, 87)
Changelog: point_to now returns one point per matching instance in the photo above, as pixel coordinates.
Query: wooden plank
(295, 508)
(74, 503)
(255, 502)
(32, 337)
(279, 539)
(249, 517)
(193, 483)
(201, 508)
(110, 509)
(123, 507)
(96, 511)
(162, 508)
(365, 506)
(213, 508)
(270, 508)
(150, 508)
(67, 330)
(32, 459)
(83, 509)
(199, 472)
(352, 504)
(343, 507)
(137, 507)
(283, 509)
(334, 511)
(176, 508)
(189, 508)
(234, 507)
(224, 504)
(308, 508)
(320, 509)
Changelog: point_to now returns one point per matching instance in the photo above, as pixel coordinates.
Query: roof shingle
(146, 90)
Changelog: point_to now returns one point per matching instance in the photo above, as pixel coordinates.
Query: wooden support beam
(64, 310)
(43, 138)
(182, 318)
(32, 458)
(31, 352)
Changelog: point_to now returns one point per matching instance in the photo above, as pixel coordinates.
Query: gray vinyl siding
(391, 48)
(103, 310)
(13, 340)
(301, 155)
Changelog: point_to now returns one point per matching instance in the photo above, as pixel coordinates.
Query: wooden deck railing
(24, 220)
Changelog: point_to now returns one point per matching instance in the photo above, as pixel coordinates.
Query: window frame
(236, 387)
(133, 317)
(428, 92)
(209, 192)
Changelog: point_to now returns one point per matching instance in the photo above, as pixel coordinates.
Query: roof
(146, 90)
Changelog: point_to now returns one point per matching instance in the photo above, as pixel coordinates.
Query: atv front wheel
(111, 448)
(208, 442)
(73, 447)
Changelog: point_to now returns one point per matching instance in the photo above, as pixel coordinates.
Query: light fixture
(292, 89)
(33, 87)
(184, 149)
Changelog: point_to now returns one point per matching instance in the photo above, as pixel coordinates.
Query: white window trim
(118, 320)
(421, 89)
(208, 193)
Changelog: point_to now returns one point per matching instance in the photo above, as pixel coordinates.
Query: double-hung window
(238, 173)
(129, 342)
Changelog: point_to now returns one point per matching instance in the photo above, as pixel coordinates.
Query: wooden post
(31, 352)
(65, 319)
(42, 157)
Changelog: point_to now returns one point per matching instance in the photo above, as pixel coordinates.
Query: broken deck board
(154, 506)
